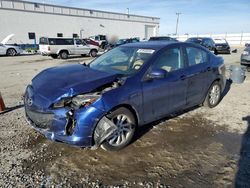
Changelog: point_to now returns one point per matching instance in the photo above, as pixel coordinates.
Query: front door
(81, 47)
(166, 95)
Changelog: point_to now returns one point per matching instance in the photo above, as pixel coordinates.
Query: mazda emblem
(30, 101)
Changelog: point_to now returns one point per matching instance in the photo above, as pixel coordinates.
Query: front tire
(213, 95)
(126, 124)
(11, 52)
(93, 53)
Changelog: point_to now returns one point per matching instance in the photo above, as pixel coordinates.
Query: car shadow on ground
(146, 128)
(142, 130)
(11, 109)
(242, 178)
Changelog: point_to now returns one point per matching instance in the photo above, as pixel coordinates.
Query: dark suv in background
(162, 38)
(204, 41)
(222, 46)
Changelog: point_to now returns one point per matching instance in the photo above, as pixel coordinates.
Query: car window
(196, 56)
(122, 60)
(78, 42)
(169, 60)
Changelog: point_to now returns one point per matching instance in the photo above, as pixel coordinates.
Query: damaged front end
(72, 118)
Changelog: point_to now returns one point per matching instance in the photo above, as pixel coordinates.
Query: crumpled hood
(67, 81)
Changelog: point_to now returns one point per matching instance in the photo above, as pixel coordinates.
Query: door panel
(164, 96)
(80, 47)
(198, 74)
(168, 94)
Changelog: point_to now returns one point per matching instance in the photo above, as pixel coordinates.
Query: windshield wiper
(84, 64)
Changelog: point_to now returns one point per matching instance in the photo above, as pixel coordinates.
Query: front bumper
(54, 123)
(245, 59)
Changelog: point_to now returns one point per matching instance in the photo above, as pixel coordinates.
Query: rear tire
(93, 53)
(126, 124)
(213, 95)
(64, 55)
(11, 52)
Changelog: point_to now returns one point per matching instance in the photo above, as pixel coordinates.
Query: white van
(64, 47)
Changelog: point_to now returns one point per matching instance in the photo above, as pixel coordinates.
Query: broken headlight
(84, 100)
(62, 103)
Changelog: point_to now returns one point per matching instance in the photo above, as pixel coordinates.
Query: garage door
(149, 31)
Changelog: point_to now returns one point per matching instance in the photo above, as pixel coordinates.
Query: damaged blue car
(102, 103)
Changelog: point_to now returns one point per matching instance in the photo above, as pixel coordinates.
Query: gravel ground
(199, 148)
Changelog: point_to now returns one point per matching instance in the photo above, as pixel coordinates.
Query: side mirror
(156, 74)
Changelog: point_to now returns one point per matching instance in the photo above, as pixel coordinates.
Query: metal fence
(235, 39)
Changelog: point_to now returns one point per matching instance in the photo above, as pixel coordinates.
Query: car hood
(66, 81)
(6, 39)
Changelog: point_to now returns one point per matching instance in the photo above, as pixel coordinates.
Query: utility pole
(127, 11)
(177, 22)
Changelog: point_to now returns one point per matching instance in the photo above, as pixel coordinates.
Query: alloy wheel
(214, 94)
(123, 132)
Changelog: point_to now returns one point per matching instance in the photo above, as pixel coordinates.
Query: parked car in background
(162, 38)
(91, 42)
(204, 41)
(101, 40)
(245, 57)
(9, 50)
(222, 46)
(64, 47)
(125, 41)
(102, 103)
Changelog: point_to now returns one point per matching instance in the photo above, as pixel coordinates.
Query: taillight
(48, 48)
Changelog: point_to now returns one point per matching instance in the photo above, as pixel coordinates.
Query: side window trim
(179, 47)
(202, 50)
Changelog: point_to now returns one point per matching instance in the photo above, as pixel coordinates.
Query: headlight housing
(62, 103)
(84, 100)
(77, 101)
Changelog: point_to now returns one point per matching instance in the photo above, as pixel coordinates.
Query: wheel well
(216, 80)
(64, 51)
(10, 49)
(129, 107)
(93, 50)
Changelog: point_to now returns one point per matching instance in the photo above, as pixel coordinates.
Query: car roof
(151, 44)
(200, 38)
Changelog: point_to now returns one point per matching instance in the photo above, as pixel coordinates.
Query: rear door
(165, 95)
(198, 72)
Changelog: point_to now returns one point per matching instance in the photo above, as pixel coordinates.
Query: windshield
(122, 60)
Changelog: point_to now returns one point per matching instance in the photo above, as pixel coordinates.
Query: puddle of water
(178, 152)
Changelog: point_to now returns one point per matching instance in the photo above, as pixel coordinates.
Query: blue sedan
(102, 103)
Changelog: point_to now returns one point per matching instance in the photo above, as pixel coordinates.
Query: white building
(22, 18)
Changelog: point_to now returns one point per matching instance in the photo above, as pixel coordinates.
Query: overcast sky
(198, 16)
